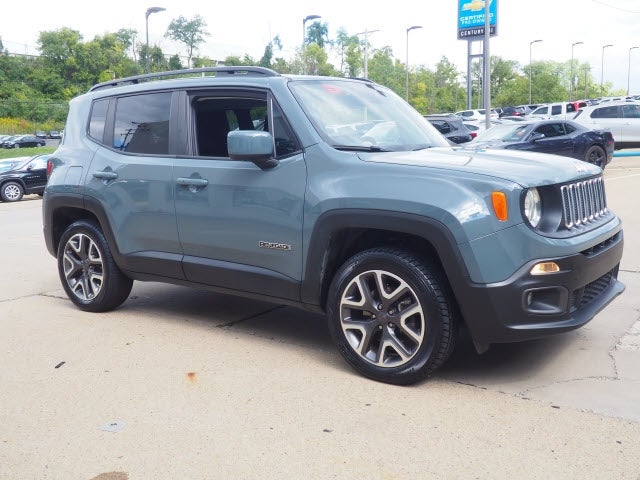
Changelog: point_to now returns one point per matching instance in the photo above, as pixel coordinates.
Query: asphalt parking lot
(188, 384)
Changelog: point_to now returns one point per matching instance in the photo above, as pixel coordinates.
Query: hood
(525, 168)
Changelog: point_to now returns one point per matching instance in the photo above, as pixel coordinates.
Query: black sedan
(29, 176)
(23, 141)
(559, 137)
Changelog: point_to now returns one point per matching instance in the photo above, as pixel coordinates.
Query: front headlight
(533, 207)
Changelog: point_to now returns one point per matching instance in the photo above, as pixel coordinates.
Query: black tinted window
(142, 123)
(631, 111)
(605, 112)
(442, 126)
(556, 109)
(98, 118)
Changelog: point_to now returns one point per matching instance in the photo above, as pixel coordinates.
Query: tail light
(473, 135)
(49, 168)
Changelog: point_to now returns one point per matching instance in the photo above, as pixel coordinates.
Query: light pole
(602, 70)
(531, 43)
(149, 11)
(407, 64)
(366, 49)
(629, 69)
(304, 28)
(571, 76)
(304, 38)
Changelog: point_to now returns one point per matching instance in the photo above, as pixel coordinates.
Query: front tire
(11, 192)
(87, 270)
(391, 315)
(596, 155)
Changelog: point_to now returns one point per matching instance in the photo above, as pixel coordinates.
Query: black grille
(585, 295)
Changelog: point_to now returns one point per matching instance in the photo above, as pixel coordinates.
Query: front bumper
(527, 306)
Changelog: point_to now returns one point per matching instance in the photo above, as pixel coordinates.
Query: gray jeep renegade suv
(333, 195)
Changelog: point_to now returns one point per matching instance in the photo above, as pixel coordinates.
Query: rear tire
(596, 156)
(391, 315)
(87, 270)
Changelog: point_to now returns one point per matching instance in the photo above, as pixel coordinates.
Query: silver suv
(332, 195)
(621, 117)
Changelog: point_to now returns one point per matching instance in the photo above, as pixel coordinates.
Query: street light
(407, 64)
(304, 29)
(366, 49)
(304, 37)
(531, 43)
(149, 11)
(602, 70)
(629, 70)
(571, 76)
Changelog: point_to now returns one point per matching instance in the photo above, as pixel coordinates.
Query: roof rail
(249, 71)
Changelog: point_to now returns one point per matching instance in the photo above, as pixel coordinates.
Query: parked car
(340, 199)
(621, 117)
(55, 134)
(452, 127)
(475, 115)
(511, 111)
(7, 139)
(41, 134)
(558, 137)
(10, 163)
(23, 141)
(561, 110)
(477, 127)
(27, 177)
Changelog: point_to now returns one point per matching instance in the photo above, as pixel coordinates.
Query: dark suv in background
(452, 127)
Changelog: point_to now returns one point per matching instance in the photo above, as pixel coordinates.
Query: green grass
(24, 152)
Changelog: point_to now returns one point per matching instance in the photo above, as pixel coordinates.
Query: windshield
(13, 163)
(359, 115)
(504, 133)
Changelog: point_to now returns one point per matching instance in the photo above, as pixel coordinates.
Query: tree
(350, 53)
(127, 37)
(267, 57)
(317, 33)
(189, 32)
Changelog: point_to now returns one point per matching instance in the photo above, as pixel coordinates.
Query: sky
(247, 26)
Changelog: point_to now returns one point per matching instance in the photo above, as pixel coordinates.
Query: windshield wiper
(360, 148)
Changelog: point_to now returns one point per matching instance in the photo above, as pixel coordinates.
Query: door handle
(105, 175)
(192, 182)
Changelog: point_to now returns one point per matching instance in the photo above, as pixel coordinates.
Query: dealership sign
(471, 19)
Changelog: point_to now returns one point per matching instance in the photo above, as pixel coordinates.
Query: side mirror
(536, 136)
(252, 145)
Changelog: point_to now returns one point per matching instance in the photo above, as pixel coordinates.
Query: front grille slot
(585, 295)
(583, 202)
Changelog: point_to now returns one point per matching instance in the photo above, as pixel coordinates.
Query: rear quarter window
(98, 119)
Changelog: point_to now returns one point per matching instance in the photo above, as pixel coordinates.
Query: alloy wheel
(83, 267)
(382, 318)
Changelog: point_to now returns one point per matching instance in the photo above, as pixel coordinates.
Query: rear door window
(142, 123)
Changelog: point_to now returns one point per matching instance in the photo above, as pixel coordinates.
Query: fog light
(543, 268)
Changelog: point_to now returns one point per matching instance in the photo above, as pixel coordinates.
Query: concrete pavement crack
(30, 295)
